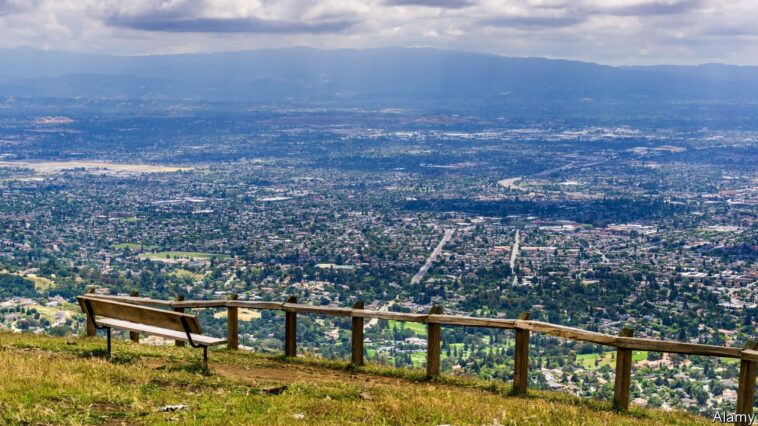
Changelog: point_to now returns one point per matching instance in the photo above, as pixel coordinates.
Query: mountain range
(306, 74)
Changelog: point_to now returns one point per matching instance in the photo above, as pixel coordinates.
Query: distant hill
(305, 74)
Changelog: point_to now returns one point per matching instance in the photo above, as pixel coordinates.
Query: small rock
(365, 396)
(173, 408)
(298, 416)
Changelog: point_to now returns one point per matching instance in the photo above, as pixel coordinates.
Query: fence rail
(435, 319)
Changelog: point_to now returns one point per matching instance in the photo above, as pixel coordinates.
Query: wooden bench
(107, 314)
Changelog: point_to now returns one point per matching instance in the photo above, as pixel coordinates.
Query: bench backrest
(139, 314)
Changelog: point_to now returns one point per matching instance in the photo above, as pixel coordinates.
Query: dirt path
(284, 374)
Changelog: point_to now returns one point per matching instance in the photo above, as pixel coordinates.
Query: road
(432, 257)
(514, 255)
(512, 183)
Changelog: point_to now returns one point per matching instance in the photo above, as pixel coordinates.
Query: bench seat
(103, 313)
(160, 332)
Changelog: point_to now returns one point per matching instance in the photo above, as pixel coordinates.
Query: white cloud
(609, 31)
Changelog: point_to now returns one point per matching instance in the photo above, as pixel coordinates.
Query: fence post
(433, 341)
(746, 389)
(232, 325)
(623, 374)
(290, 330)
(134, 335)
(179, 298)
(357, 337)
(521, 362)
(91, 330)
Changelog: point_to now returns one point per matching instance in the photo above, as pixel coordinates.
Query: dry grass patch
(67, 381)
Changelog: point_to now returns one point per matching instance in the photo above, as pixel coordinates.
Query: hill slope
(66, 381)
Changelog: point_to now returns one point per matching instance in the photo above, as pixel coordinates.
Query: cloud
(534, 22)
(9, 7)
(228, 16)
(653, 8)
(225, 25)
(732, 31)
(567, 15)
(443, 4)
(606, 31)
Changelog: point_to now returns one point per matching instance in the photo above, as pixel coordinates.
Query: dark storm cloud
(444, 4)
(533, 22)
(225, 25)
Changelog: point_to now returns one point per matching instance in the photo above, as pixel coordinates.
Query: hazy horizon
(328, 49)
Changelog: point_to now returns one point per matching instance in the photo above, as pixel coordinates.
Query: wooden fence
(624, 343)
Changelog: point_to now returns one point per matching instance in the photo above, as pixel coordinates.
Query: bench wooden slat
(141, 314)
(160, 332)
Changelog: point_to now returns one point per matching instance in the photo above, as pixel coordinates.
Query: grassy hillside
(47, 380)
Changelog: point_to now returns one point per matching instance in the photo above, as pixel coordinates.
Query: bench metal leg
(108, 336)
(205, 357)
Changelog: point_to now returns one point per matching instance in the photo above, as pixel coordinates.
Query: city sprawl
(598, 225)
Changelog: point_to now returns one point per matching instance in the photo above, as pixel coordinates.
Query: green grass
(639, 356)
(417, 327)
(67, 381)
(418, 359)
(587, 361)
(41, 283)
(183, 273)
(134, 246)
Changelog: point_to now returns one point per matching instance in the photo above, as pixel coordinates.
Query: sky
(616, 32)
